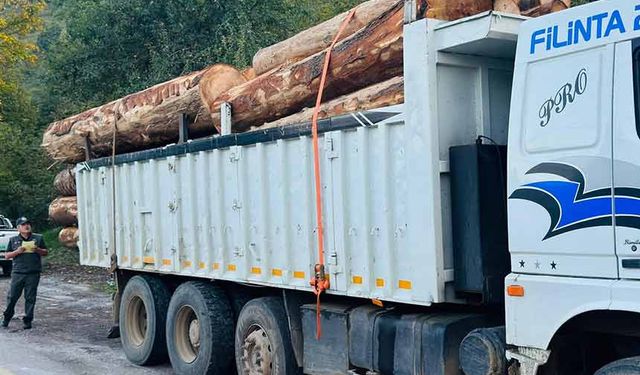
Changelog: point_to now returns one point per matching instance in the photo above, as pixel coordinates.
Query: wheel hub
(137, 320)
(257, 355)
(194, 333)
(187, 334)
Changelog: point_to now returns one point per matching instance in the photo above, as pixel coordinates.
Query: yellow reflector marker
(276, 272)
(298, 274)
(166, 262)
(186, 263)
(202, 265)
(256, 270)
(377, 302)
(515, 290)
(404, 284)
(136, 260)
(149, 260)
(216, 266)
(125, 258)
(357, 279)
(231, 267)
(380, 283)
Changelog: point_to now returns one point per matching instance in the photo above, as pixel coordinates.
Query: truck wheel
(263, 340)
(143, 314)
(627, 366)
(6, 269)
(200, 330)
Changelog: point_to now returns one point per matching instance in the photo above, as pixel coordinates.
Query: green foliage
(581, 2)
(18, 18)
(25, 183)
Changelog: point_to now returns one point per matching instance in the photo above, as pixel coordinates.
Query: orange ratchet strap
(320, 282)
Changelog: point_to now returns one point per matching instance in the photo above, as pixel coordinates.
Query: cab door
(560, 166)
(626, 157)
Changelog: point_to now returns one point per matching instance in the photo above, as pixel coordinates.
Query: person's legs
(17, 285)
(30, 292)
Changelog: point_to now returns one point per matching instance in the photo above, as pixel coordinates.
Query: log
(380, 95)
(456, 9)
(145, 119)
(372, 55)
(219, 79)
(64, 211)
(531, 8)
(69, 237)
(319, 37)
(65, 182)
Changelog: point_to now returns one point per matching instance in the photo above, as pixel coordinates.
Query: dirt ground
(69, 335)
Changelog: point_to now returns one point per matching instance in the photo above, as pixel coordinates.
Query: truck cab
(574, 186)
(6, 232)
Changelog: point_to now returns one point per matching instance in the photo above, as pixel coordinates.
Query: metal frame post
(225, 118)
(183, 128)
(410, 11)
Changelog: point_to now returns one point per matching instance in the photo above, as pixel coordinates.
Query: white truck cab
(574, 178)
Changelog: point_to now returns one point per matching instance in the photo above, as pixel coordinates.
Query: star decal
(522, 264)
(537, 264)
(553, 265)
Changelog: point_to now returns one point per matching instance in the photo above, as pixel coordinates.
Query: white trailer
(214, 240)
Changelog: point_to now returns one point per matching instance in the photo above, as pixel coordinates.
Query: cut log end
(64, 211)
(65, 182)
(69, 237)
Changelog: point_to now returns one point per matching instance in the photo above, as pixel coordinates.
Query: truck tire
(7, 267)
(143, 314)
(263, 340)
(200, 330)
(627, 366)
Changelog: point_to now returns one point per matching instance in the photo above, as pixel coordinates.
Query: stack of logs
(278, 90)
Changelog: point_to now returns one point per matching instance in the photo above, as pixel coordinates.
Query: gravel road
(69, 330)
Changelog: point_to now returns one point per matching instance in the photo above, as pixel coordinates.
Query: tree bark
(532, 8)
(144, 120)
(319, 37)
(371, 55)
(380, 95)
(456, 9)
(64, 211)
(69, 237)
(65, 182)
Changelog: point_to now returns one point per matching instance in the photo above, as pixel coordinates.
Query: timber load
(281, 84)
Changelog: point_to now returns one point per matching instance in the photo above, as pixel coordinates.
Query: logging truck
(490, 223)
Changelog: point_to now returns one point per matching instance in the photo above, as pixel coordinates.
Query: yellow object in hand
(29, 246)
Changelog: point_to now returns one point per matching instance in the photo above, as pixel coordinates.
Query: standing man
(26, 250)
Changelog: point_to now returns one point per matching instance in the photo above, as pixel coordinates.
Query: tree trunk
(380, 95)
(319, 37)
(217, 80)
(145, 119)
(372, 55)
(65, 182)
(456, 9)
(64, 211)
(69, 237)
(532, 8)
